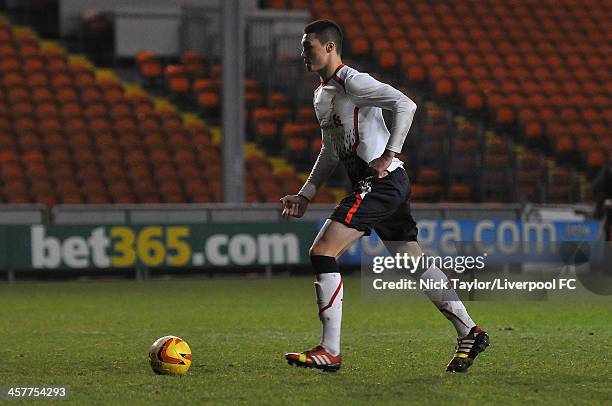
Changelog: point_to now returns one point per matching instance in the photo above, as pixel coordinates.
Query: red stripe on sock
(455, 316)
(351, 212)
(331, 301)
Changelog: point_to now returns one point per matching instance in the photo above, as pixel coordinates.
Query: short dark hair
(326, 31)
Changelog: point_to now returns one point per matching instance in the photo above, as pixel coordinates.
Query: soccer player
(348, 106)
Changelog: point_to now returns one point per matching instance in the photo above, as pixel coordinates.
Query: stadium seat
(324, 196)
(149, 66)
(194, 63)
(460, 193)
(177, 80)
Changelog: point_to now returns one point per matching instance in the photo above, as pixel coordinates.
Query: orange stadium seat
(120, 110)
(119, 188)
(46, 109)
(269, 190)
(164, 171)
(66, 94)
(36, 78)
(172, 124)
(194, 63)
(124, 125)
(141, 105)
(97, 198)
(148, 124)
(95, 109)
(7, 141)
(149, 66)
(79, 139)
(41, 185)
(154, 140)
(58, 156)
(160, 156)
(110, 155)
(16, 191)
(215, 71)
(62, 79)
(324, 196)
(37, 171)
(6, 124)
(298, 147)
(16, 93)
(55, 64)
(278, 4)
(24, 124)
(29, 141)
(179, 141)
(89, 171)
(93, 186)
(49, 199)
(460, 193)
(7, 49)
(112, 90)
(177, 80)
(203, 85)
(266, 131)
(84, 154)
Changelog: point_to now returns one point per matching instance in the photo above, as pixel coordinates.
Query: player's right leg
(353, 217)
(331, 241)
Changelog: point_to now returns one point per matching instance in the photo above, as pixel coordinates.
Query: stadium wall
(168, 27)
(72, 10)
(229, 237)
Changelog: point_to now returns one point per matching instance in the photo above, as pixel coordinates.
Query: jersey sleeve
(323, 167)
(367, 91)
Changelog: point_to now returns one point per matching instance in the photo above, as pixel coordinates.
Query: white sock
(447, 301)
(329, 299)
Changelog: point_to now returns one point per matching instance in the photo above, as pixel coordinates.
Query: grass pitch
(94, 337)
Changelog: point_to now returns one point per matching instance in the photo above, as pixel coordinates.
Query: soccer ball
(170, 355)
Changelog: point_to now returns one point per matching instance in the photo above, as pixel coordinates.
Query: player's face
(313, 53)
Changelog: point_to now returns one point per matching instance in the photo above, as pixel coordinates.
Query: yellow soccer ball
(170, 355)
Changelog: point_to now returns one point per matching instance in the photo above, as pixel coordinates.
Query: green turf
(94, 337)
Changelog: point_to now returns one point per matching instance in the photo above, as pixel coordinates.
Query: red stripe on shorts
(349, 215)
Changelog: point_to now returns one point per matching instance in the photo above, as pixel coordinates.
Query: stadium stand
(530, 79)
(269, 120)
(515, 102)
(71, 133)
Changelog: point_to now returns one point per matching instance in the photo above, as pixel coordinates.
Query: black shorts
(382, 205)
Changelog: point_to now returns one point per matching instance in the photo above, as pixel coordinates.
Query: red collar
(324, 82)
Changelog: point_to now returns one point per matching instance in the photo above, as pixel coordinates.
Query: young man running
(348, 105)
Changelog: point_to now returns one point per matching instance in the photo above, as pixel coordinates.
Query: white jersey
(349, 107)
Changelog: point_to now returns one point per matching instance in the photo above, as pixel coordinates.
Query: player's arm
(367, 91)
(295, 205)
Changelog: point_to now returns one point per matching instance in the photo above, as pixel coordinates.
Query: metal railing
(252, 213)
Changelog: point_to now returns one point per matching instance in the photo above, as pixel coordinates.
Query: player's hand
(379, 165)
(294, 206)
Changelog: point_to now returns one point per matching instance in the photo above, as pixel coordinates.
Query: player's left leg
(400, 235)
(472, 340)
